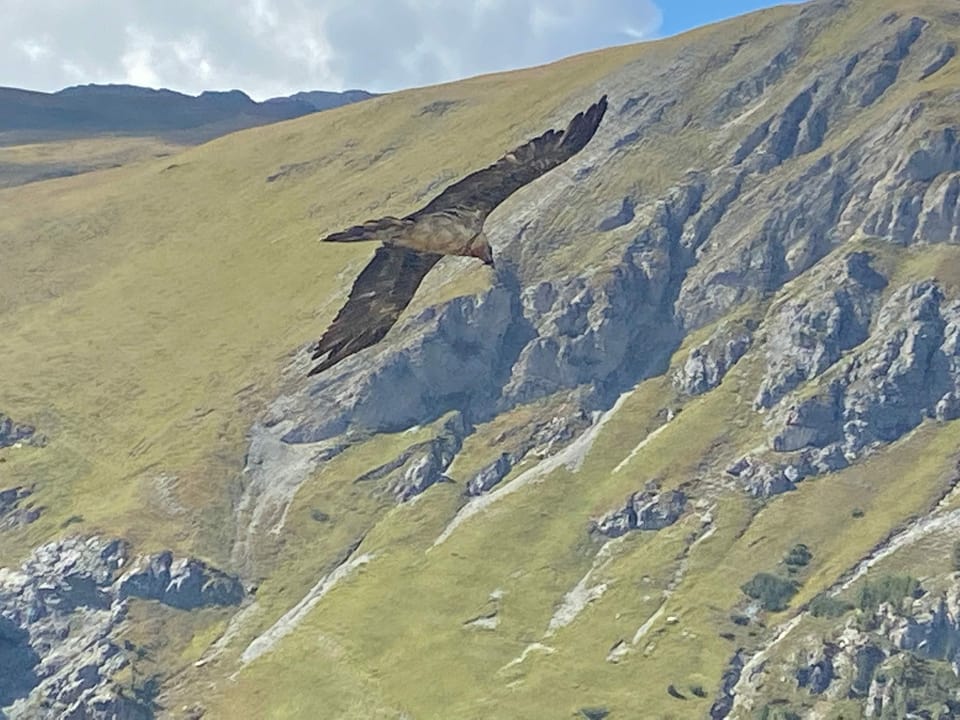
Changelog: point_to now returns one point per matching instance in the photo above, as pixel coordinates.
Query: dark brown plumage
(450, 224)
(379, 294)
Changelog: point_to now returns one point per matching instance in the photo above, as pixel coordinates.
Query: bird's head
(480, 249)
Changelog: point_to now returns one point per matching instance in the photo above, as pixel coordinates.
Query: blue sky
(680, 15)
(276, 47)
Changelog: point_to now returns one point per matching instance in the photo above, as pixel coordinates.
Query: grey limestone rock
(916, 199)
(541, 439)
(186, 583)
(819, 672)
(815, 422)
(707, 363)
(56, 615)
(859, 659)
(809, 333)
(14, 513)
(488, 477)
(760, 478)
(61, 613)
(728, 687)
(908, 370)
(645, 510)
(12, 432)
(426, 466)
(421, 465)
(447, 361)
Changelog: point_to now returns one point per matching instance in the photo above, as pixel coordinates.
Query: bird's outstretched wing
(381, 292)
(483, 190)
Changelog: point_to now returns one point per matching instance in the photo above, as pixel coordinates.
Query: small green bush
(799, 556)
(825, 606)
(887, 588)
(773, 592)
(771, 712)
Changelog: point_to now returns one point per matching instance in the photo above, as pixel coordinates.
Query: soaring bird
(450, 224)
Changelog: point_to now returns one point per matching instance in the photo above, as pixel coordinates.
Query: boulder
(707, 363)
(645, 510)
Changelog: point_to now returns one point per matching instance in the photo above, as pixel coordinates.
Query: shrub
(771, 712)
(825, 606)
(773, 592)
(72, 520)
(799, 556)
(887, 588)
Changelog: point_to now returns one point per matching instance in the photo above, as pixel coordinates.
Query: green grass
(32, 162)
(147, 313)
(176, 289)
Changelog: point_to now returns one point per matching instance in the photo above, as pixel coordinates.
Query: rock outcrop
(61, 614)
(807, 335)
(422, 465)
(186, 583)
(645, 510)
(58, 616)
(707, 363)
(12, 432)
(542, 439)
(819, 672)
(14, 512)
(907, 371)
(897, 657)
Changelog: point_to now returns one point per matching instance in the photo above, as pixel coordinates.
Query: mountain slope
(85, 110)
(91, 127)
(727, 329)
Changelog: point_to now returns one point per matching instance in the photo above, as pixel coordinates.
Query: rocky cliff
(690, 447)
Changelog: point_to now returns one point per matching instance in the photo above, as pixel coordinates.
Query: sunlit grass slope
(32, 162)
(147, 313)
(146, 310)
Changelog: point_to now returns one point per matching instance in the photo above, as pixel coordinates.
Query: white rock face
(62, 611)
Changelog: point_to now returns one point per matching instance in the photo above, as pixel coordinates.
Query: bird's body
(450, 224)
(447, 232)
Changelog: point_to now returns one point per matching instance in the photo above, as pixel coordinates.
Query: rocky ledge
(61, 614)
(646, 510)
(16, 510)
(12, 433)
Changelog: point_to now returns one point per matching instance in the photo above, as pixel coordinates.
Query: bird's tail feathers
(384, 229)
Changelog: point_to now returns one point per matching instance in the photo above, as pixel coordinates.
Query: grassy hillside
(31, 162)
(151, 313)
(183, 289)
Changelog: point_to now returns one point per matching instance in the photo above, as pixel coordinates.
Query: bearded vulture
(450, 224)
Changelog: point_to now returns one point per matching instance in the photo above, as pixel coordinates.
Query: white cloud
(271, 47)
(33, 49)
(137, 61)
